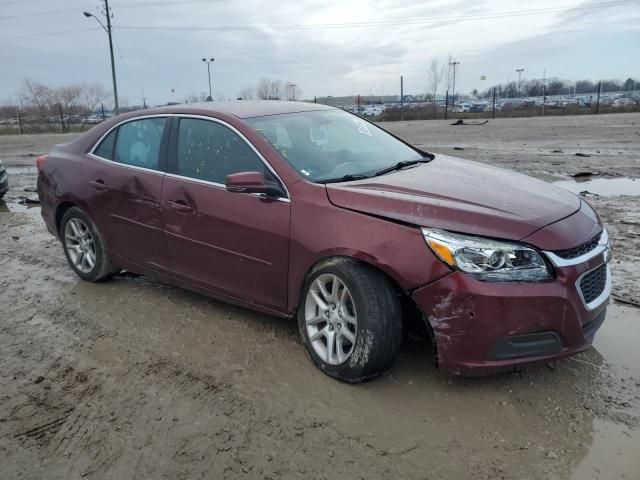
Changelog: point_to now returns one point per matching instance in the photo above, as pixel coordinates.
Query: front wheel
(84, 247)
(350, 320)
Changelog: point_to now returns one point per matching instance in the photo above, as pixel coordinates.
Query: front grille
(593, 283)
(580, 250)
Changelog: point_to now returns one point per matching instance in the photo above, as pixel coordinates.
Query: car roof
(241, 108)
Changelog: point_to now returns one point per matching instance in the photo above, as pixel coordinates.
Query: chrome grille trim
(604, 295)
(603, 246)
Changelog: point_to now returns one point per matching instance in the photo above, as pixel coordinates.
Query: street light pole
(453, 90)
(209, 62)
(519, 70)
(107, 29)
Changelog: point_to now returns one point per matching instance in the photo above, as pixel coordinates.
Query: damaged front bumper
(485, 327)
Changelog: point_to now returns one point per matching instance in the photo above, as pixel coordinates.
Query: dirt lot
(135, 379)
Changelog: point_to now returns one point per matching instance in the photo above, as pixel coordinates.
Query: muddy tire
(350, 320)
(84, 247)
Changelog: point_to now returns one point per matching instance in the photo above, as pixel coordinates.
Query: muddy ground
(135, 379)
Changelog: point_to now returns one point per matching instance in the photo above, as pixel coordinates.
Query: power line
(419, 21)
(118, 5)
(59, 32)
(11, 2)
(165, 3)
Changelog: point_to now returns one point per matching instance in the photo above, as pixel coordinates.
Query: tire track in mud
(108, 407)
(73, 415)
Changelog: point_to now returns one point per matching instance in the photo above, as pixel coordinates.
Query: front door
(127, 176)
(233, 243)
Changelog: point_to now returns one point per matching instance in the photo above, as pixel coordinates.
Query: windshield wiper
(346, 178)
(401, 165)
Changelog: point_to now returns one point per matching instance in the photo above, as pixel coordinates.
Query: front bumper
(486, 327)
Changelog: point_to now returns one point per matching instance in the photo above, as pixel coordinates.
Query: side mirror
(252, 182)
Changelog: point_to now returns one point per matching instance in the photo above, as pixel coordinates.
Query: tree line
(43, 107)
(271, 89)
(557, 86)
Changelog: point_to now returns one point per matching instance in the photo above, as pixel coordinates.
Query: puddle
(13, 207)
(613, 453)
(605, 187)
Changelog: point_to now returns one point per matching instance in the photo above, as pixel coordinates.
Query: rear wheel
(84, 247)
(350, 320)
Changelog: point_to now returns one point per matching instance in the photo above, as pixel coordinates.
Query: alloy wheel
(80, 245)
(331, 319)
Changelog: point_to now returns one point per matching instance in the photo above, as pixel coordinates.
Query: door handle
(98, 184)
(179, 205)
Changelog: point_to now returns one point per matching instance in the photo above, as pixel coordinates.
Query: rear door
(127, 181)
(234, 243)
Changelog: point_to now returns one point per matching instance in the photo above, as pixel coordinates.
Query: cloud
(252, 38)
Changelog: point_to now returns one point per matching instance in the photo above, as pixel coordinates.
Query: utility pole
(453, 90)
(493, 112)
(446, 104)
(401, 98)
(544, 89)
(19, 120)
(107, 13)
(519, 70)
(209, 62)
(291, 91)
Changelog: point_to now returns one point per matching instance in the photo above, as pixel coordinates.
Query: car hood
(459, 195)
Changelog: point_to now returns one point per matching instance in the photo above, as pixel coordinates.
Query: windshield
(330, 145)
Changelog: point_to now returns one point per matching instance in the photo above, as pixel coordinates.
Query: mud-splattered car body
(161, 225)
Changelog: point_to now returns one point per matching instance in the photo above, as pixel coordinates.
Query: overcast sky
(326, 47)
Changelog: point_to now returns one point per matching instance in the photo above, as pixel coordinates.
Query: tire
(370, 345)
(82, 242)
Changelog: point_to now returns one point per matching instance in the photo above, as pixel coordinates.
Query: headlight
(487, 259)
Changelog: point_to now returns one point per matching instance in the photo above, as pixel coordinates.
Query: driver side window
(210, 151)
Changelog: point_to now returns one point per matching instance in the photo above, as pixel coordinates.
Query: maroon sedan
(298, 209)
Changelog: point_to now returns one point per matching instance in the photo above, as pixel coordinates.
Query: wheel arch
(413, 320)
(61, 209)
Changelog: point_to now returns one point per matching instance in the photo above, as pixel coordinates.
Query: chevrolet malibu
(305, 211)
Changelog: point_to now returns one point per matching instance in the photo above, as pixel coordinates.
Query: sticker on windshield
(361, 126)
(318, 135)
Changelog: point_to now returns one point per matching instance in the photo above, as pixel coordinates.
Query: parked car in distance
(4, 180)
(303, 210)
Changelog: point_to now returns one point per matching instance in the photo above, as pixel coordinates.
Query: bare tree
(92, 95)
(64, 105)
(276, 90)
(434, 77)
(39, 100)
(246, 93)
(263, 89)
(268, 89)
(192, 98)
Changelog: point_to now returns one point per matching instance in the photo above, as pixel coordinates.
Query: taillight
(40, 161)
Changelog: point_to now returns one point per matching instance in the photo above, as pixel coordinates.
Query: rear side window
(138, 143)
(105, 149)
(210, 151)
